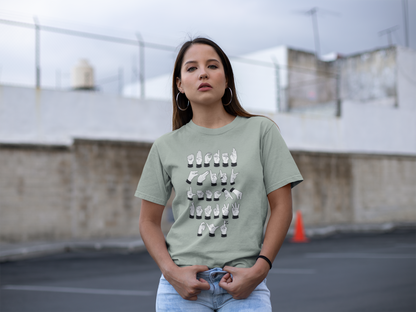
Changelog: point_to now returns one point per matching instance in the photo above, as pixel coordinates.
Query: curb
(44, 249)
(321, 232)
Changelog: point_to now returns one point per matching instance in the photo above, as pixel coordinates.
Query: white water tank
(82, 77)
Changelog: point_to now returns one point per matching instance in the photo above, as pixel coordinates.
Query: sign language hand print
(217, 159)
(233, 157)
(199, 212)
(224, 229)
(225, 159)
(208, 211)
(192, 175)
(191, 211)
(237, 192)
(212, 228)
(225, 211)
(209, 195)
(227, 194)
(199, 159)
(233, 176)
(190, 194)
(191, 160)
(223, 178)
(202, 177)
(217, 195)
(201, 228)
(217, 211)
(235, 209)
(213, 178)
(208, 157)
(200, 195)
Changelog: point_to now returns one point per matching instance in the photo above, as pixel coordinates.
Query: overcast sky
(239, 27)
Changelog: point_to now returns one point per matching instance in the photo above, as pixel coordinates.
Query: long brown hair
(180, 118)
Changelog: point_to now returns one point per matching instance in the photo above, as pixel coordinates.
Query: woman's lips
(204, 87)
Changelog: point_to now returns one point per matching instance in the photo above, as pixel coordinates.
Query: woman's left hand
(243, 280)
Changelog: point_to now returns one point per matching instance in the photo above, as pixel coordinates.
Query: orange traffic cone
(299, 236)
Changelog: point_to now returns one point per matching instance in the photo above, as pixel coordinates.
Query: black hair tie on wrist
(267, 259)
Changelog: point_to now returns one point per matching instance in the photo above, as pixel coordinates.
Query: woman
(225, 165)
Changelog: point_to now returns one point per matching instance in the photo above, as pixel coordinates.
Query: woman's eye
(191, 69)
(213, 66)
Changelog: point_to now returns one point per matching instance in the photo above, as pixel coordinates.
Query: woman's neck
(210, 117)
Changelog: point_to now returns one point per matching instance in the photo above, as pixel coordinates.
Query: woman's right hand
(184, 280)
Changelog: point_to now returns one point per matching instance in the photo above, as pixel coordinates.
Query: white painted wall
(44, 116)
(56, 117)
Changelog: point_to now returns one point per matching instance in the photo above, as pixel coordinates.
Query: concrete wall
(354, 188)
(82, 191)
(311, 81)
(406, 78)
(371, 76)
(86, 190)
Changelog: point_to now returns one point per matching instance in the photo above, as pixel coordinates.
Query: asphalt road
(342, 273)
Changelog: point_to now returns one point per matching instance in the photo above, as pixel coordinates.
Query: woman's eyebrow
(210, 60)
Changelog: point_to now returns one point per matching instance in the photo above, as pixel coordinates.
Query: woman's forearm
(279, 222)
(154, 240)
(152, 235)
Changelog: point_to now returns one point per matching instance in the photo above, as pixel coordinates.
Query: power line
(149, 45)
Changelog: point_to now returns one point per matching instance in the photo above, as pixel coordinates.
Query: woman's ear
(179, 84)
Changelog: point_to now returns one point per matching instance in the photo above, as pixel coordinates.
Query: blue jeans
(214, 299)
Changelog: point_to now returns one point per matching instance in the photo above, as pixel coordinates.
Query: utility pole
(141, 69)
(37, 51)
(406, 22)
(313, 12)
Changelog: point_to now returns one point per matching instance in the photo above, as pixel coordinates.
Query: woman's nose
(203, 75)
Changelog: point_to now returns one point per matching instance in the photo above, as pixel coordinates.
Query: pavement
(26, 250)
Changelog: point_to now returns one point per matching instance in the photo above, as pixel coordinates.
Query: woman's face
(202, 75)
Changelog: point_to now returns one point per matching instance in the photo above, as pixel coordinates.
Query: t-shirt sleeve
(155, 184)
(279, 168)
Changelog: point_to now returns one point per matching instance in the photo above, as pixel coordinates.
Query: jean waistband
(212, 273)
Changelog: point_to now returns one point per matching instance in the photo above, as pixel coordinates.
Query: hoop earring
(231, 98)
(177, 104)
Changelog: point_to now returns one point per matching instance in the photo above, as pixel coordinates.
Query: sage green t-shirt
(221, 179)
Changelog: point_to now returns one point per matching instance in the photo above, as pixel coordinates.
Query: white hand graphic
(201, 228)
(208, 211)
(235, 209)
(199, 212)
(217, 195)
(212, 228)
(225, 211)
(192, 175)
(209, 195)
(227, 194)
(199, 159)
(223, 178)
(216, 211)
(237, 192)
(190, 194)
(190, 161)
(202, 177)
(213, 178)
(200, 195)
(191, 211)
(217, 159)
(224, 229)
(225, 159)
(233, 157)
(208, 157)
(233, 176)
